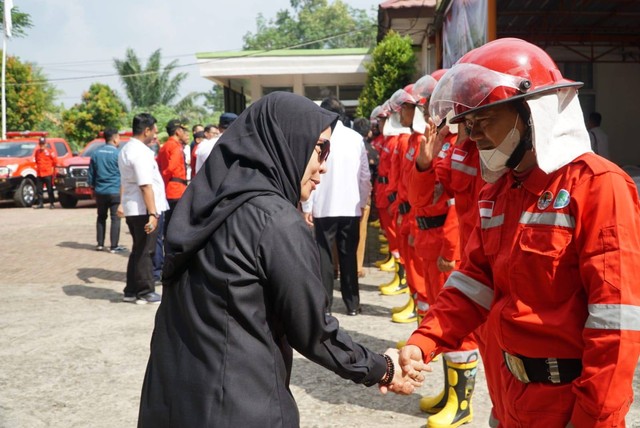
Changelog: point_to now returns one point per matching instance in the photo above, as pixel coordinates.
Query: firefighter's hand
(411, 361)
(445, 265)
(404, 382)
(430, 146)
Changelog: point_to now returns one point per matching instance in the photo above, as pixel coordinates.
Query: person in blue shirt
(104, 179)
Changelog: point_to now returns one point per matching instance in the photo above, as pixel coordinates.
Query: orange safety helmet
(500, 71)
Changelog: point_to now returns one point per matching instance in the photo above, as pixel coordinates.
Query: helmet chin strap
(526, 142)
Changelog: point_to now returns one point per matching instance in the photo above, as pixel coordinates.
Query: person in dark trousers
(45, 159)
(337, 206)
(104, 179)
(242, 287)
(143, 201)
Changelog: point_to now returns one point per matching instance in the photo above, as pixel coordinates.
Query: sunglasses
(325, 148)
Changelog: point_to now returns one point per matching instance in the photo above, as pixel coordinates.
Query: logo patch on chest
(545, 200)
(562, 200)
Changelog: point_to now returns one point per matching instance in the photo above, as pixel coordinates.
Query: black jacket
(221, 349)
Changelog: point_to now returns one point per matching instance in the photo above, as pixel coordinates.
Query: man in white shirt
(205, 147)
(143, 200)
(336, 206)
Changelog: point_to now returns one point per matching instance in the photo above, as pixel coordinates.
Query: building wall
(617, 88)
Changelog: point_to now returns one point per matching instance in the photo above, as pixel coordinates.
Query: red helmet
(439, 73)
(500, 71)
(375, 113)
(402, 96)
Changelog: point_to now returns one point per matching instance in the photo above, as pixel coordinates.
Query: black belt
(179, 180)
(425, 223)
(404, 207)
(392, 196)
(543, 370)
(383, 180)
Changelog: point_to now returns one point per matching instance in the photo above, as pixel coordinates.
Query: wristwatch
(156, 215)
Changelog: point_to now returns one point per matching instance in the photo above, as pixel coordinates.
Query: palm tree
(151, 85)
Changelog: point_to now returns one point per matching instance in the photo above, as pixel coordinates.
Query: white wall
(617, 88)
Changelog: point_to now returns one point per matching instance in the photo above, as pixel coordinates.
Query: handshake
(408, 370)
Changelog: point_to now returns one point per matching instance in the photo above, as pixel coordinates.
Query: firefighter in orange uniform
(550, 262)
(394, 193)
(437, 244)
(403, 103)
(173, 167)
(45, 159)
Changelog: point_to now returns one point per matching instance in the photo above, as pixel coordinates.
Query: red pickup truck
(18, 167)
(72, 173)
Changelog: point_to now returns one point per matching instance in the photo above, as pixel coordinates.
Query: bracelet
(390, 372)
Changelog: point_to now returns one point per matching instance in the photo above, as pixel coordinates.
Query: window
(320, 92)
(268, 89)
(61, 148)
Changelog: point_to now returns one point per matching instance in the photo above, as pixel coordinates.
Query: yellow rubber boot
(382, 238)
(379, 263)
(457, 410)
(375, 223)
(396, 309)
(409, 314)
(389, 265)
(396, 286)
(384, 249)
(435, 403)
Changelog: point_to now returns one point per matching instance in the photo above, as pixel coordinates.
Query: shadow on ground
(88, 275)
(92, 293)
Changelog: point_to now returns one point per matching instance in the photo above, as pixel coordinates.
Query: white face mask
(496, 159)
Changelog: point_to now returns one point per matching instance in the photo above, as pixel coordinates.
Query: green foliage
(19, 21)
(29, 96)
(100, 108)
(314, 21)
(392, 66)
(214, 99)
(149, 85)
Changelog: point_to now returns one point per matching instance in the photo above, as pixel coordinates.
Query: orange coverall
(551, 264)
(173, 168)
(381, 200)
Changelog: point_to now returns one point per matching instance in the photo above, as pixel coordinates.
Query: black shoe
(38, 207)
(354, 312)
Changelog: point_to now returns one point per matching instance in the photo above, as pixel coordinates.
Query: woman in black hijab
(244, 287)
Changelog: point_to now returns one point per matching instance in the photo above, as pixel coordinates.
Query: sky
(74, 41)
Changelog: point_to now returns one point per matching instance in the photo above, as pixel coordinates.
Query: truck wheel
(25, 194)
(67, 201)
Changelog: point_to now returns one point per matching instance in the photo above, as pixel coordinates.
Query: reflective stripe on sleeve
(464, 168)
(613, 317)
(487, 223)
(474, 290)
(551, 219)
(451, 202)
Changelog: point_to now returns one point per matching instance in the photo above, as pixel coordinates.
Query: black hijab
(265, 151)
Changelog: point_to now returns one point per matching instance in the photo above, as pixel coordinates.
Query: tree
(19, 21)
(29, 95)
(151, 85)
(214, 99)
(392, 66)
(100, 108)
(314, 24)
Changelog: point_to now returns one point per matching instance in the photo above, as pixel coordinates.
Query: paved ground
(73, 355)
